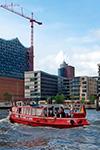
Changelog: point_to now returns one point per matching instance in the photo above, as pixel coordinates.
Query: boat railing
(22, 103)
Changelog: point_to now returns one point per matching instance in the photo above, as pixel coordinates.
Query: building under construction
(14, 61)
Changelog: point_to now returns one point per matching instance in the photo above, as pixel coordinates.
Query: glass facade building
(64, 86)
(99, 80)
(75, 88)
(66, 71)
(62, 72)
(14, 59)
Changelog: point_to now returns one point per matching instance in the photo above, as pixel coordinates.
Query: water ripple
(22, 137)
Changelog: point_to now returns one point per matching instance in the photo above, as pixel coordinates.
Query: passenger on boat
(71, 111)
(62, 112)
(45, 112)
(57, 114)
(50, 112)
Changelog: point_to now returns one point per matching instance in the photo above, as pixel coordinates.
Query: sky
(70, 32)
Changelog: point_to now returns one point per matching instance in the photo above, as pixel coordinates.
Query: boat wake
(4, 120)
(97, 122)
(95, 127)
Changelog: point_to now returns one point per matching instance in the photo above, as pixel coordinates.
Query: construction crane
(11, 8)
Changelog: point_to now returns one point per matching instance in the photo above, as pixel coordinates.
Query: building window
(31, 94)
(83, 94)
(83, 78)
(83, 86)
(31, 79)
(84, 82)
(32, 91)
(83, 90)
(26, 87)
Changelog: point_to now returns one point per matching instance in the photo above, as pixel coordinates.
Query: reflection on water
(23, 137)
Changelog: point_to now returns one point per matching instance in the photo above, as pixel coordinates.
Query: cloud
(82, 52)
(60, 57)
(11, 29)
(50, 63)
(83, 58)
(85, 63)
(92, 35)
(85, 39)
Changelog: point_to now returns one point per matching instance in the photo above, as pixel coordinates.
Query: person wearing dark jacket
(62, 112)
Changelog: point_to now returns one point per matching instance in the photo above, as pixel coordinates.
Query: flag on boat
(83, 110)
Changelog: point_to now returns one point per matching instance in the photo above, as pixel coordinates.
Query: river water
(24, 137)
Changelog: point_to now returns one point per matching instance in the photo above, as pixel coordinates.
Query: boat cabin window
(30, 111)
(27, 111)
(24, 110)
(38, 112)
(33, 111)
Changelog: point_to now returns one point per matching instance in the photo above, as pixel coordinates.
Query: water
(24, 137)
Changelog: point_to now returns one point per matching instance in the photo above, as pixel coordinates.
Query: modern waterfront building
(75, 88)
(83, 87)
(88, 87)
(14, 61)
(64, 86)
(99, 80)
(66, 71)
(39, 84)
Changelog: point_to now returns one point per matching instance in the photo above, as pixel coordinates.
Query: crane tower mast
(11, 8)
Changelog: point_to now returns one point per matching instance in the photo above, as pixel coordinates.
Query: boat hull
(50, 121)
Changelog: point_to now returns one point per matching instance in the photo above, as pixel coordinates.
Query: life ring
(80, 121)
(72, 122)
(11, 120)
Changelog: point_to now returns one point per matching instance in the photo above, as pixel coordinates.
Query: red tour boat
(47, 115)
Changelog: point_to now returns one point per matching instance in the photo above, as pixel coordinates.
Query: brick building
(15, 87)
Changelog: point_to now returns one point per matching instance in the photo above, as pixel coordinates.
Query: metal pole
(32, 47)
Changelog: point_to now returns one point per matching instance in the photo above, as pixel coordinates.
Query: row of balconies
(31, 75)
(49, 79)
